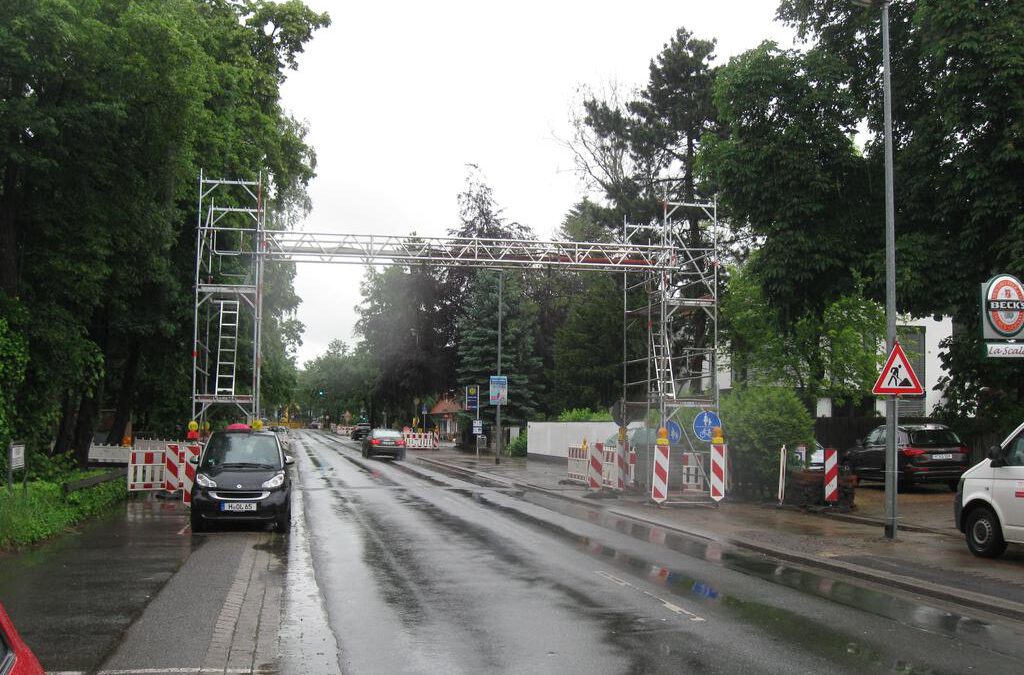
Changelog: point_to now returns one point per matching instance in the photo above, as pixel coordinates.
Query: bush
(517, 448)
(584, 415)
(41, 511)
(757, 422)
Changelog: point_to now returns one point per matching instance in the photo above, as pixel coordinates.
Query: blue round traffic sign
(675, 432)
(703, 423)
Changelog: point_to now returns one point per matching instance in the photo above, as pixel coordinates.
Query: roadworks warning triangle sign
(897, 377)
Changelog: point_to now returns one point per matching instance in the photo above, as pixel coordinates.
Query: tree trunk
(9, 231)
(126, 395)
(65, 431)
(88, 413)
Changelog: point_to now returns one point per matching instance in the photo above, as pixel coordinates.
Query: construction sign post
(897, 377)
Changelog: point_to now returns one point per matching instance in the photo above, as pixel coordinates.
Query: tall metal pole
(497, 424)
(891, 421)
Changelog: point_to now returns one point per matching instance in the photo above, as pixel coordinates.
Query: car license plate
(238, 506)
(945, 455)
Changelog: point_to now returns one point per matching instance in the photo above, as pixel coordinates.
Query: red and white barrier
(659, 481)
(427, 440)
(612, 474)
(717, 471)
(145, 471)
(693, 472)
(188, 470)
(595, 467)
(831, 475)
(579, 460)
(172, 462)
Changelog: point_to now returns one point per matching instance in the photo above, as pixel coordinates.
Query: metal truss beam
(462, 252)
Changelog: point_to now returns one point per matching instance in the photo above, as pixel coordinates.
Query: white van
(989, 506)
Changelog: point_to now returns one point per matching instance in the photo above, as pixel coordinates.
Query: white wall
(553, 439)
(934, 333)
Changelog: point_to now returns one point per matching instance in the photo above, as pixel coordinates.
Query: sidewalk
(928, 557)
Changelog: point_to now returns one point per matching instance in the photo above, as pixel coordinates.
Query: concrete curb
(913, 585)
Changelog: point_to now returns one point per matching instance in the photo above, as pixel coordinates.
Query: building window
(912, 340)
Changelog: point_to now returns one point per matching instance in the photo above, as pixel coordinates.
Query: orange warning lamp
(662, 436)
(716, 436)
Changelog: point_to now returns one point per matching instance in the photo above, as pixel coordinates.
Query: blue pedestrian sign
(675, 432)
(703, 423)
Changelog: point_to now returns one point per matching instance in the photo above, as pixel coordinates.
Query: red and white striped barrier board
(578, 461)
(831, 475)
(659, 481)
(145, 471)
(611, 471)
(188, 470)
(595, 471)
(172, 464)
(424, 440)
(717, 471)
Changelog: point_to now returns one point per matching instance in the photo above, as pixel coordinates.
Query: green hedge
(41, 511)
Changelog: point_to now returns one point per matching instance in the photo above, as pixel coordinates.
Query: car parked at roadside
(359, 431)
(989, 504)
(15, 656)
(384, 442)
(925, 453)
(242, 476)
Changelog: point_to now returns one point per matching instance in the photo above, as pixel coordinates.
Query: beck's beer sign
(1002, 320)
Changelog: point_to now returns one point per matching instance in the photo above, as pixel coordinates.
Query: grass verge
(41, 511)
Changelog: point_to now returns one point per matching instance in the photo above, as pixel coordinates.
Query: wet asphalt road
(392, 567)
(423, 573)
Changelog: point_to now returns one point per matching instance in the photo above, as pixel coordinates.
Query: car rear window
(386, 433)
(933, 438)
(241, 449)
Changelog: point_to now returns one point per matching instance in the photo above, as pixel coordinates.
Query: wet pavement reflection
(106, 571)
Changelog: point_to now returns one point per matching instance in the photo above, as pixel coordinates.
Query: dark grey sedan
(384, 442)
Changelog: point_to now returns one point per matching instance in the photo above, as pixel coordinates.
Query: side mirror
(995, 453)
(193, 460)
(288, 460)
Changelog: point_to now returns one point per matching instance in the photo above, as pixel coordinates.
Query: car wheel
(283, 522)
(400, 456)
(850, 471)
(196, 522)
(984, 534)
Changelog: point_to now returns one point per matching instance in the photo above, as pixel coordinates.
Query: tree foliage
(110, 110)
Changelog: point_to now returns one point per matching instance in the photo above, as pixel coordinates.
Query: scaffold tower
(677, 304)
(230, 246)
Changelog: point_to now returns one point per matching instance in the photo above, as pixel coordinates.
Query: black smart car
(242, 477)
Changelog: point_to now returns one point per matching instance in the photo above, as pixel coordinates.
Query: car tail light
(912, 452)
(375, 441)
(400, 442)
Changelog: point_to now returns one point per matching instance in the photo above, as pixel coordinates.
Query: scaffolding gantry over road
(233, 244)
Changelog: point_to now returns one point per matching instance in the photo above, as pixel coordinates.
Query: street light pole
(497, 424)
(891, 421)
(890, 284)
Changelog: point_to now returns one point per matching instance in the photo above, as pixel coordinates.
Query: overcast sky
(400, 96)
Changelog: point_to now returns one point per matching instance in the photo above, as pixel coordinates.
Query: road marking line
(668, 605)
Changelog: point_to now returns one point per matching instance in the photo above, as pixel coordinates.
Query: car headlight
(276, 481)
(205, 481)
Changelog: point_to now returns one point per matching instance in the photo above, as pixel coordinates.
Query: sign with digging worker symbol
(897, 377)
